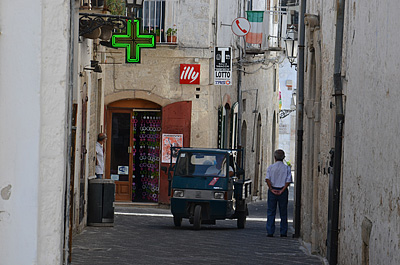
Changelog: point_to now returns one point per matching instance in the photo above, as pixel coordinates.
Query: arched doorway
(224, 126)
(273, 138)
(257, 180)
(243, 140)
(133, 149)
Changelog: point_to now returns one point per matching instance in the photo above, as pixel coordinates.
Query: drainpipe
(239, 95)
(299, 123)
(332, 254)
(242, 51)
(69, 182)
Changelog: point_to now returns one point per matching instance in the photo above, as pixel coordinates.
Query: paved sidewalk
(143, 235)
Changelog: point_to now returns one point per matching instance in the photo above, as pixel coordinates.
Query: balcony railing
(272, 26)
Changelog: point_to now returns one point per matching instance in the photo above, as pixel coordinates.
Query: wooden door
(176, 119)
(119, 159)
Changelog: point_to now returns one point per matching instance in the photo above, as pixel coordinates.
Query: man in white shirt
(278, 179)
(101, 139)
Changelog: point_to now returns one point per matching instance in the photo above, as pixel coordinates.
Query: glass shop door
(146, 130)
(120, 161)
(135, 154)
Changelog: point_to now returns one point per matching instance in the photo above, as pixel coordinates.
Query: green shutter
(234, 125)
(220, 127)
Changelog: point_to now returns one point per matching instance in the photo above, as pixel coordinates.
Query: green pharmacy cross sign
(133, 41)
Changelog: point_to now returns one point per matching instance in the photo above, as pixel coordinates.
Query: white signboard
(240, 26)
(223, 66)
(115, 177)
(123, 170)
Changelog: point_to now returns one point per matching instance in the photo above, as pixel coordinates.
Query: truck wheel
(241, 221)
(197, 217)
(177, 221)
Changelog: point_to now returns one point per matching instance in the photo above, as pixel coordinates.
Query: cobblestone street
(148, 236)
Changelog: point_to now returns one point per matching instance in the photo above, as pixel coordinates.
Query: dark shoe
(283, 235)
(270, 235)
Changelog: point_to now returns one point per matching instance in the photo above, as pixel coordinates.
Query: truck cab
(208, 185)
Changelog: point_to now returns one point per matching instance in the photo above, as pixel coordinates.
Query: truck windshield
(201, 164)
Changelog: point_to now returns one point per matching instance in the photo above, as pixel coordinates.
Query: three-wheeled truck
(208, 185)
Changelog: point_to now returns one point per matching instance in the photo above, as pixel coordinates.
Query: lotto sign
(223, 66)
(190, 74)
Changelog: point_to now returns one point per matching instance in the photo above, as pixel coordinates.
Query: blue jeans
(99, 176)
(273, 200)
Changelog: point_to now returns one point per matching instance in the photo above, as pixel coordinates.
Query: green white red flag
(256, 18)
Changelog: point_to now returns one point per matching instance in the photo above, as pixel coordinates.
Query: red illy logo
(190, 74)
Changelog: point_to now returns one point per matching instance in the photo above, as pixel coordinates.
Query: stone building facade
(64, 101)
(364, 183)
(154, 86)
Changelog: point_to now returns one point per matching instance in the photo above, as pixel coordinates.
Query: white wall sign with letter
(223, 66)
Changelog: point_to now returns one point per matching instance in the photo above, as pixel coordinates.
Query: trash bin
(101, 202)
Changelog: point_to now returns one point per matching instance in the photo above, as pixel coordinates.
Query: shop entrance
(146, 155)
(134, 154)
(133, 148)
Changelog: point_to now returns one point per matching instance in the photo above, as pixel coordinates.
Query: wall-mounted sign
(223, 66)
(240, 26)
(123, 170)
(114, 177)
(133, 41)
(190, 74)
(168, 141)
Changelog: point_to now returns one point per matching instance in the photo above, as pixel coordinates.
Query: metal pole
(299, 123)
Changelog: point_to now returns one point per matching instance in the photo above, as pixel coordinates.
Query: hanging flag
(255, 35)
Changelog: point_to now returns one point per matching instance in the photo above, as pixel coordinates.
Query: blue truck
(207, 185)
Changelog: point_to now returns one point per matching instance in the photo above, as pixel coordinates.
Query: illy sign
(190, 74)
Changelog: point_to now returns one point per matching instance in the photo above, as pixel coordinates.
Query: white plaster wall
(259, 5)
(371, 183)
(20, 133)
(318, 190)
(315, 180)
(194, 23)
(227, 12)
(33, 83)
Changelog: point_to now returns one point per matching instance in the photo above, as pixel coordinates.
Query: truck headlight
(178, 193)
(219, 195)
